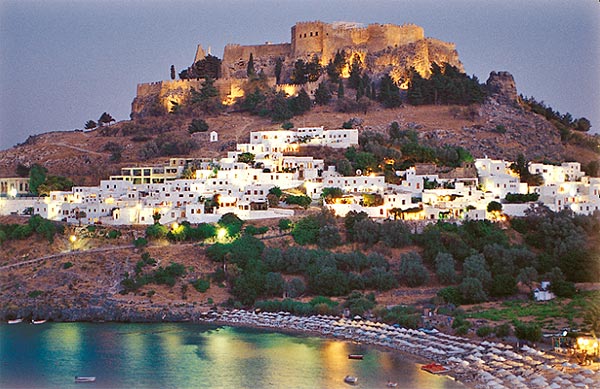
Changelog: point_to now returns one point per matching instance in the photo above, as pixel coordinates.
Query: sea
(189, 355)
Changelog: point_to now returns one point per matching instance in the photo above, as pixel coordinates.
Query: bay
(187, 355)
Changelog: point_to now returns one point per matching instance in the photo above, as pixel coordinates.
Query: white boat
(82, 379)
(350, 379)
(38, 321)
(15, 321)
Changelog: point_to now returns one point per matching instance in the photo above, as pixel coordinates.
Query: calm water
(192, 355)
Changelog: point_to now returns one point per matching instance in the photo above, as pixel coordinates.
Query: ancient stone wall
(235, 58)
(307, 39)
(383, 49)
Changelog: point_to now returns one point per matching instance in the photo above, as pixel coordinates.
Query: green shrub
(484, 332)
(35, 293)
(67, 265)
(502, 330)
(201, 285)
(113, 234)
(450, 295)
(301, 200)
(140, 242)
(528, 331)
(462, 330)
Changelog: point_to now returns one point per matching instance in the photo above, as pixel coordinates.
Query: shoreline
(475, 364)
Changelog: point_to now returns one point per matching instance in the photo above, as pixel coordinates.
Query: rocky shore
(476, 364)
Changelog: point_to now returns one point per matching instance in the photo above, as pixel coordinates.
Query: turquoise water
(185, 355)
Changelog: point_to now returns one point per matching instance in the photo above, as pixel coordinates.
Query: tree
(207, 99)
(355, 72)
(367, 231)
(37, 176)
(90, 125)
(476, 267)
(280, 110)
(322, 94)
(582, 124)
(301, 103)
(299, 75)
(527, 276)
(471, 290)
(336, 66)
(329, 237)
(306, 230)
(198, 125)
(445, 268)
(173, 73)
(246, 158)
(313, 69)
(274, 284)
(209, 66)
(250, 67)
(389, 93)
(344, 167)
(340, 92)
(294, 288)
(287, 125)
(494, 206)
(530, 332)
(278, 67)
(412, 272)
(22, 170)
(330, 193)
(394, 131)
(105, 118)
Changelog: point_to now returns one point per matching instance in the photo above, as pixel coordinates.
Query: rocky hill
(499, 128)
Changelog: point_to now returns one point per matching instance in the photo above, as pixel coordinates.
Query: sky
(65, 62)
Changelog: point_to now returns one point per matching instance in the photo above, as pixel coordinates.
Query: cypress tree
(278, 66)
(340, 89)
(250, 68)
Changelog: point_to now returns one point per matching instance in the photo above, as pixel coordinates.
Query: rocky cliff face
(502, 88)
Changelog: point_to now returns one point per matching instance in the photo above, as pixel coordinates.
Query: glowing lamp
(72, 238)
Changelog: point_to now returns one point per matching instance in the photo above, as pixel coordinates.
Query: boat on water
(84, 379)
(350, 379)
(435, 368)
(391, 384)
(15, 321)
(38, 321)
(355, 356)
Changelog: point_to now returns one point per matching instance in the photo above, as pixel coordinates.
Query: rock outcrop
(502, 88)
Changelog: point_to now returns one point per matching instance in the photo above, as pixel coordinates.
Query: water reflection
(189, 355)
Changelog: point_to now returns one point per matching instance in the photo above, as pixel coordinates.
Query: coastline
(474, 364)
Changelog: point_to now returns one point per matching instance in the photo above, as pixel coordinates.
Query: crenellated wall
(383, 49)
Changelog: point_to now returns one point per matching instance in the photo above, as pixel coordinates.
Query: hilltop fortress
(382, 48)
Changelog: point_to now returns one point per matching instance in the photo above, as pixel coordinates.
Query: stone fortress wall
(326, 39)
(384, 48)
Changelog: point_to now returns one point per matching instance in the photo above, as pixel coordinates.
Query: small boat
(355, 356)
(15, 321)
(81, 379)
(38, 321)
(435, 368)
(350, 379)
(391, 384)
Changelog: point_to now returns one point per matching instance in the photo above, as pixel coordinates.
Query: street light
(72, 239)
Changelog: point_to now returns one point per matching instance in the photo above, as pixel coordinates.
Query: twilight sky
(65, 62)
